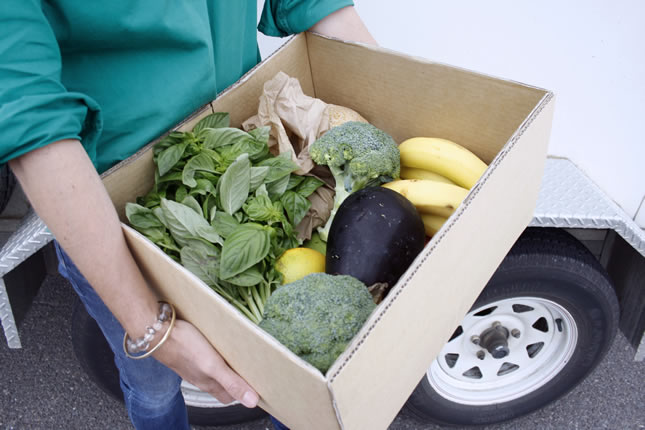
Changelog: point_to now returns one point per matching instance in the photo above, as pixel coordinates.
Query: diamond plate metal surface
(569, 199)
(31, 236)
(8, 321)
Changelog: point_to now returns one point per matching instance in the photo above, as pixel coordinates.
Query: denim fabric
(277, 425)
(151, 390)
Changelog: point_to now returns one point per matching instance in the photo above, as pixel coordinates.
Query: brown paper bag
(296, 121)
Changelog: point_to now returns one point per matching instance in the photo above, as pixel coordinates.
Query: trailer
(573, 279)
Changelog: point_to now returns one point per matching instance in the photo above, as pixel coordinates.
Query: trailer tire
(97, 360)
(559, 300)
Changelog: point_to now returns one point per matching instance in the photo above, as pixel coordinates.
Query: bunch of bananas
(436, 175)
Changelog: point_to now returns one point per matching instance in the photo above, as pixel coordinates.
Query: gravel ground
(44, 387)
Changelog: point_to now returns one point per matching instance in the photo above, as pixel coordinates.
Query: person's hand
(187, 352)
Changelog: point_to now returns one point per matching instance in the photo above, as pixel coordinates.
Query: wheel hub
(495, 340)
(504, 350)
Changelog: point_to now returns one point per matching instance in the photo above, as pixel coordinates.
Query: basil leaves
(225, 208)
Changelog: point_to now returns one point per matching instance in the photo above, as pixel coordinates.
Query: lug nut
(481, 354)
(497, 324)
(474, 339)
(515, 333)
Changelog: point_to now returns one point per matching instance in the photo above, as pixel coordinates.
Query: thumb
(235, 386)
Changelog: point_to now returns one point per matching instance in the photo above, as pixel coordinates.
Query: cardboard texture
(506, 123)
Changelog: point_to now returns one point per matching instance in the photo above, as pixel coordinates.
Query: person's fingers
(188, 353)
(233, 384)
(217, 391)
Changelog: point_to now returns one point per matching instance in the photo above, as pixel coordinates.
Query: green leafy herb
(294, 181)
(169, 157)
(224, 224)
(308, 186)
(245, 247)
(278, 188)
(261, 134)
(203, 264)
(216, 120)
(185, 224)
(191, 202)
(295, 205)
(258, 174)
(281, 166)
(261, 208)
(234, 185)
(250, 277)
(225, 208)
(200, 162)
(141, 217)
(219, 137)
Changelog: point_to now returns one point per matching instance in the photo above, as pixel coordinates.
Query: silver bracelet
(142, 344)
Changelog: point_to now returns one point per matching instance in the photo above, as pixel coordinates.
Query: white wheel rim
(547, 338)
(194, 397)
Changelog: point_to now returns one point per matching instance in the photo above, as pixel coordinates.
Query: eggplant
(375, 235)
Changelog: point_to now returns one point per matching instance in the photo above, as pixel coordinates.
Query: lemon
(296, 263)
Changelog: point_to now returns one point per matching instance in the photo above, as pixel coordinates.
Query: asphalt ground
(42, 385)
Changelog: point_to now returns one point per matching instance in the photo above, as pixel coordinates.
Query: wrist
(136, 314)
(154, 335)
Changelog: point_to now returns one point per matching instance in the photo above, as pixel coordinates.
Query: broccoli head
(317, 316)
(358, 155)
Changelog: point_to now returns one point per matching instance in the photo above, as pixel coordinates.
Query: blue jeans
(277, 425)
(151, 390)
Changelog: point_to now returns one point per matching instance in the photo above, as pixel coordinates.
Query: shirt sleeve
(281, 18)
(35, 107)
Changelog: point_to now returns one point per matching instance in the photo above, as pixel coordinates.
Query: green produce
(358, 155)
(225, 208)
(317, 316)
(316, 243)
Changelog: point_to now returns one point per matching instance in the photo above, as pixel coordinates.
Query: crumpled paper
(296, 121)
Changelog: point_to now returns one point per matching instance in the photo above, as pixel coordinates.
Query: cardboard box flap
(419, 315)
(410, 97)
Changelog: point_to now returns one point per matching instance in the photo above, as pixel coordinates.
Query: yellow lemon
(296, 263)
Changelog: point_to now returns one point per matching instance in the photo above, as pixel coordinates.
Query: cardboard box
(506, 123)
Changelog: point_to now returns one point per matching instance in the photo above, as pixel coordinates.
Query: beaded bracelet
(131, 347)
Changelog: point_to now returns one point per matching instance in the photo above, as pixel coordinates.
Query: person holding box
(83, 87)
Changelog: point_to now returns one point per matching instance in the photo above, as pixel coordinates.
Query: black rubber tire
(7, 185)
(550, 264)
(97, 360)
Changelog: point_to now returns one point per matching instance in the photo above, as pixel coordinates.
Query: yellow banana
(412, 173)
(432, 223)
(431, 197)
(444, 157)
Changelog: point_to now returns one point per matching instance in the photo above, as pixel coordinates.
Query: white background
(590, 53)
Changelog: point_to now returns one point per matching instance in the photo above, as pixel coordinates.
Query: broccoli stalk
(358, 155)
(341, 194)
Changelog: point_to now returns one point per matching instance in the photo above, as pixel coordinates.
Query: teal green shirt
(120, 73)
